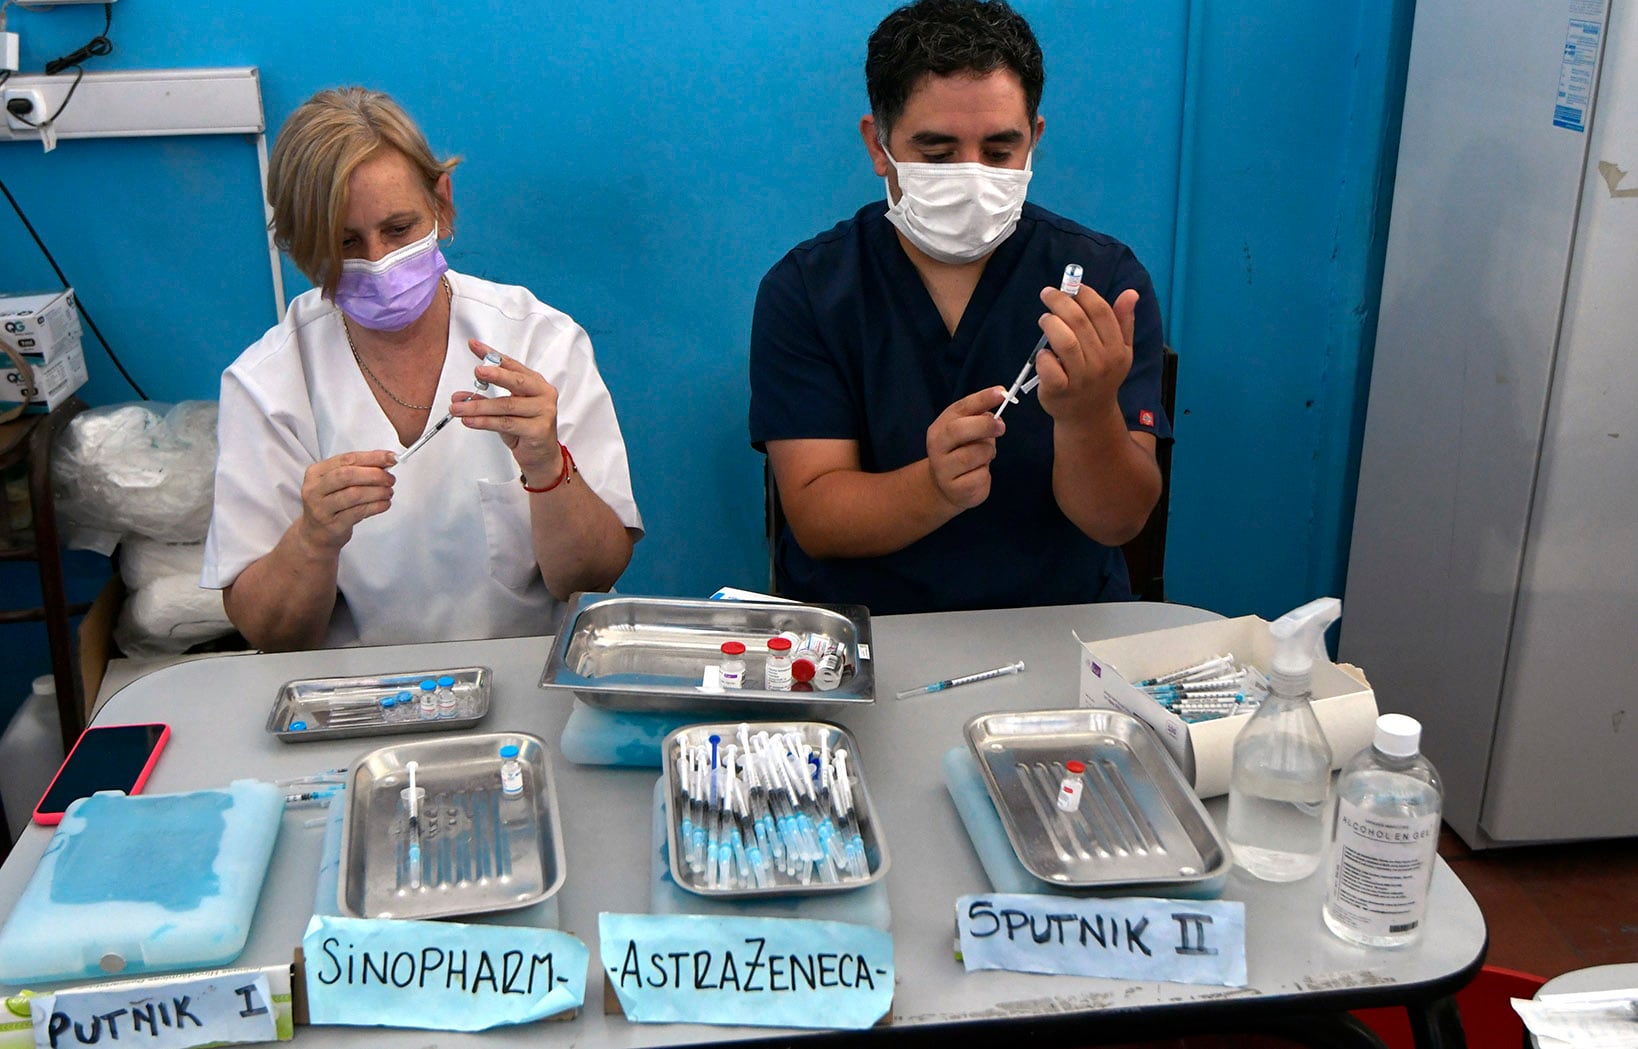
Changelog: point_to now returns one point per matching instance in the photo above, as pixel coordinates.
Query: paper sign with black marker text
(760, 972)
(439, 975)
(1135, 938)
(170, 1014)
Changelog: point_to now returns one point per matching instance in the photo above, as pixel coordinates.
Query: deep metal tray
(814, 733)
(480, 850)
(647, 653)
(338, 707)
(1138, 825)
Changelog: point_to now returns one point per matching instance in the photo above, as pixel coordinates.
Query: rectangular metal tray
(647, 653)
(814, 733)
(1139, 825)
(339, 707)
(480, 850)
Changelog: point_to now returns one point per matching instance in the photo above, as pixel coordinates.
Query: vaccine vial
(511, 771)
(802, 675)
(1071, 282)
(733, 664)
(804, 653)
(449, 704)
(778, 674)
(493, 359)
(824, 658)
(827, 670)
(1069, 791)
(429, 699)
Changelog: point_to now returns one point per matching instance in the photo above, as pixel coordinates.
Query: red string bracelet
(562, 478)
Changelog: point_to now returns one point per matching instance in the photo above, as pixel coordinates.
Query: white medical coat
(452, 558)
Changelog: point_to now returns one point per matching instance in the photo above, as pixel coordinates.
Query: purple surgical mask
(392, 292)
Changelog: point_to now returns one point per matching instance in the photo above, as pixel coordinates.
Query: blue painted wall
(642, 166)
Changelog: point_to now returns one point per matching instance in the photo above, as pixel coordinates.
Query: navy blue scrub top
(847, 344)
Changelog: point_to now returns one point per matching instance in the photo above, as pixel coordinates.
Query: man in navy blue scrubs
(881, 349)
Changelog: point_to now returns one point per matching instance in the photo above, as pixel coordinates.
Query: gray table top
(217, 709)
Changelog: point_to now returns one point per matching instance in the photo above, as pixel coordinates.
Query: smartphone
(105, 757)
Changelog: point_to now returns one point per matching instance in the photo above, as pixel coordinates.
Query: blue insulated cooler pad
(144, 884)
(989, 838)
(627, 738)
(863, 906)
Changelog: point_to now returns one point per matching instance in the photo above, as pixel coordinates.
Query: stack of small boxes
(45, 330)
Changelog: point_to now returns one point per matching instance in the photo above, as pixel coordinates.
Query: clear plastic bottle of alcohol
(1386, 834)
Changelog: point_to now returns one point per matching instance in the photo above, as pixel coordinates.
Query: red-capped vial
(802, 672)
(733, 664)
(1069, 791)
(778, 675)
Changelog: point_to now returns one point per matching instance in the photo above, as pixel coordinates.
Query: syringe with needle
(1070, 285)
(982, 675)
(414, 828)
(494, 360)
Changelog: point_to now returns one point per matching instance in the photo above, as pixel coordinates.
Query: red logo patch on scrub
(1146, 418)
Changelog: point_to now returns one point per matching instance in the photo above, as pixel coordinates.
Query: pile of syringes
(771, 811)
(1216, 688)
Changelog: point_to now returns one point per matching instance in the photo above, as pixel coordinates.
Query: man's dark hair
(944, 37)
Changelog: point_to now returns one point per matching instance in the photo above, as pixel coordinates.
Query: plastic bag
(168, 616)
(142, 562)
(136, 470)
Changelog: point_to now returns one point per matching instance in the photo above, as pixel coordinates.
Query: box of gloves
(44, 331)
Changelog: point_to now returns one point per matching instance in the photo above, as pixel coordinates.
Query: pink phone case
(53, 818)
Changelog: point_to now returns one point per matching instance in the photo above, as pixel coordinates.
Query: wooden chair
(1145, 552)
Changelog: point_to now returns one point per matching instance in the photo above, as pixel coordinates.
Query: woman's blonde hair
(317, 150)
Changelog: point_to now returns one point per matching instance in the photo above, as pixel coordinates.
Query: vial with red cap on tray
(733, 664)
(777, 675)
(1069, 791)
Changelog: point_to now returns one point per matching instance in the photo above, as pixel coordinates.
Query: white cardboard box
(45, 328)
(1343, 700)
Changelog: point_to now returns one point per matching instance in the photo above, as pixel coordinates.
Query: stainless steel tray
(647, 653)
(1138, 824)
(815, 733)
(337, 707)
(480, 850)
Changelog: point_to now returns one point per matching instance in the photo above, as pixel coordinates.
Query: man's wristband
(563, 478)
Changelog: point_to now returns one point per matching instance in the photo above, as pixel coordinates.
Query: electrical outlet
(35, 112)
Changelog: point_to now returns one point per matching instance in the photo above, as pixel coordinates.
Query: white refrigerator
(1493, 576)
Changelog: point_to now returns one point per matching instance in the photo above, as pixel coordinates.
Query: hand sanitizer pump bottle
(1280, 783)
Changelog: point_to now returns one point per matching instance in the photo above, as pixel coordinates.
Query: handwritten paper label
(439, 975)
(1137, 938)
(760, 972)
(169, 1014)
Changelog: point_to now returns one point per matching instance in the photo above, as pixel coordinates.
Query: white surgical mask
(957, 213)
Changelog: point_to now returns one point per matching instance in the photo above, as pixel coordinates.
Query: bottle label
(779, 675)
(1069, 793)
(1380, 870)
(512, 777)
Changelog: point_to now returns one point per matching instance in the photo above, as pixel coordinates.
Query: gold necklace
(450, 294)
